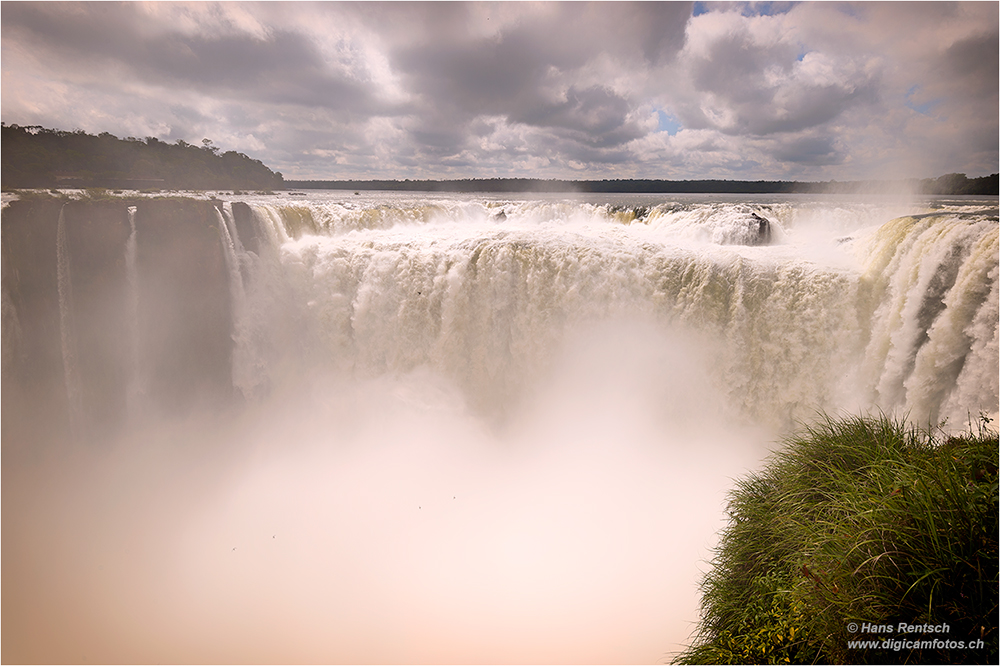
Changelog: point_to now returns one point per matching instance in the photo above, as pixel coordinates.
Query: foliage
(862, 520)
(35, 157)
(959, 183)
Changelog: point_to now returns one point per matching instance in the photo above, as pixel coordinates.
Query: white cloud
(401, 90)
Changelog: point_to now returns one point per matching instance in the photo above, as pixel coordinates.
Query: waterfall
(237, 295)
(512, 420)
(67, 329)
(248, 366)
(946, 374)
(906, 328)
(931, 277)
(136, 383)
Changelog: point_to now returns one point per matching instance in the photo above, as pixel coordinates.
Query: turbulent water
(482, 429)
(849, 306)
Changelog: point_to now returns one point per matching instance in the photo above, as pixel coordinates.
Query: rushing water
(851, 305)
(487, 429)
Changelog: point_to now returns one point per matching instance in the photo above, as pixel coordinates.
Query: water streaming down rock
(113, 300)
(901, 319)
(488, 303)
(135, 382)
(932, 277)
(235, 258)
(256, 316)
(461, 435)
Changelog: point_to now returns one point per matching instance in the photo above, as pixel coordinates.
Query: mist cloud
(408, 90)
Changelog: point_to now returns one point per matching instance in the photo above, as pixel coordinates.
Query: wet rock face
(96, 233)
(33, 385)
(246, 226)
(163, 330)
(759, 230)
(184, 322)
(742, 227)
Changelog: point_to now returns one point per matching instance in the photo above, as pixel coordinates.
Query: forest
(36, 157)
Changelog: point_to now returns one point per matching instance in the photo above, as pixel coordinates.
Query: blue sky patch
(749, 8)
(668, 123)
(924, 109)
(767, 8)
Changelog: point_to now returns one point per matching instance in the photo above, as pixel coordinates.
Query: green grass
(860, 520)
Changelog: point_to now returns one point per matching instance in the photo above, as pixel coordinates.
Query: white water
(236, 258)
(843, 311)
(473, 437)
(136, 386)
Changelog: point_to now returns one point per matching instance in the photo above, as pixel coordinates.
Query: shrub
(858, 522)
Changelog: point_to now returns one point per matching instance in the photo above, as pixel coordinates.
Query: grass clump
(857, 526)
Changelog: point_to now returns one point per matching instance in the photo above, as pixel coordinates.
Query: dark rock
(97, 232)
(184, 310)
(33, 387)
(760, 230)
(246, 226)
(181, 329)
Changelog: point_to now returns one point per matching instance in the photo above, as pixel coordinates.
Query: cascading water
(136, 384)
(251, 280)
(932, 277)
(485, 429)
(235, 256)
(882, 322)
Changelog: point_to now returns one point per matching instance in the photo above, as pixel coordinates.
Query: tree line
(954, 183)
(36, 157)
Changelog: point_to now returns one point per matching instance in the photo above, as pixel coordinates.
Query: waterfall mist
(384, 521)
(449, 431)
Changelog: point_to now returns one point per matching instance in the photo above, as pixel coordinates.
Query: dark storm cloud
(527, 72)
(734, 64)
(283, 67)
(596, 116)
(757, 87)
(810, 151)
(973, 64)
(488, 75)
(658, 28)
(499, 71)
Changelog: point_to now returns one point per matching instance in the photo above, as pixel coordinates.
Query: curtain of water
(489, 303)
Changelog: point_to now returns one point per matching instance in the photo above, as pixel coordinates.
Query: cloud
(414, 90)
(529, 70)
(809, 150)
(751, 77)
(278, 67)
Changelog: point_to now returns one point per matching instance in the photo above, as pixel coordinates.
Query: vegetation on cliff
(864, 529)
(35, 157)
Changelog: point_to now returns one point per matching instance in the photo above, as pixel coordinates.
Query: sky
(744, 91)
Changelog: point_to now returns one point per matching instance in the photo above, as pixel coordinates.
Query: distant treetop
(36, 157)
